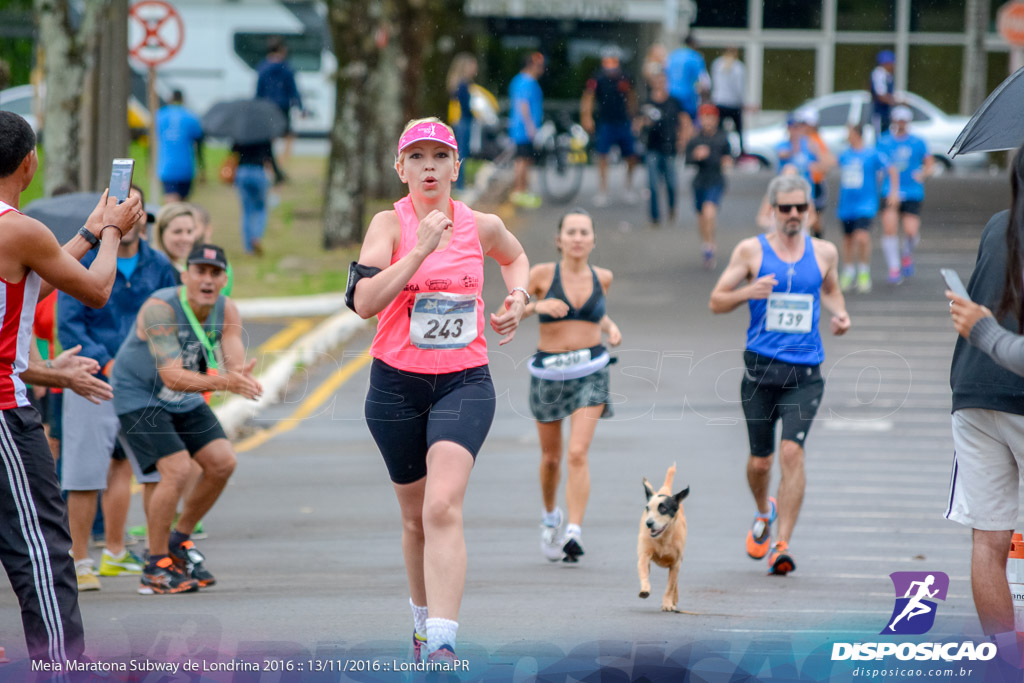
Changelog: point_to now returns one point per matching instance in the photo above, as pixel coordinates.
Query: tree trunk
(107, 101)
(973, 86)
(386, 85)
(69, 55)
(352, 27)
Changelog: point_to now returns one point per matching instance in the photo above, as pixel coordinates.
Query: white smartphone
(954, 282)
(121, 178)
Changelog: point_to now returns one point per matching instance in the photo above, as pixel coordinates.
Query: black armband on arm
(356, 272)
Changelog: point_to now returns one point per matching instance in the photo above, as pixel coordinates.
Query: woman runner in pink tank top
(431, 400)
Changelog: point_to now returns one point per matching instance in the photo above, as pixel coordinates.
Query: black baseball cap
(209, 254)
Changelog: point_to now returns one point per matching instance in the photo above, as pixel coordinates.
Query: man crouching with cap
(187, 340)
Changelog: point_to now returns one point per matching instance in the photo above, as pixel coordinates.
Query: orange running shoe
(759, 536)
(780, 561)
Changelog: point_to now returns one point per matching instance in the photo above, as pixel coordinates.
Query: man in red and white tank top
(421, 271)
(32, 264)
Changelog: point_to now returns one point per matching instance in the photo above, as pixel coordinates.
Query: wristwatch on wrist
(525, 293)
(88, 237)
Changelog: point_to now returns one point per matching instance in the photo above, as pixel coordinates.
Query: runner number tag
(567, 360)
(852, 176)
(792, 313)
(441, 320)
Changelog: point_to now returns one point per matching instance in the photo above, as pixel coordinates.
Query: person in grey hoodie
(988, 408)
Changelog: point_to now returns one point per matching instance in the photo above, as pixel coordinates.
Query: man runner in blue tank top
(788, 276)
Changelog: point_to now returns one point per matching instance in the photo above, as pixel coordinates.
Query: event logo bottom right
(914, 612)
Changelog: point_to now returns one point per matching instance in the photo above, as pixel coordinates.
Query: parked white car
(938, 129)
(19, 100)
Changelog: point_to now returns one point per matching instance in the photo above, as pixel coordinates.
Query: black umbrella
(998, 123)
(64, 214)
(245, 121)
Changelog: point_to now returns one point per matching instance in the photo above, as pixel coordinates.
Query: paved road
(305, 540)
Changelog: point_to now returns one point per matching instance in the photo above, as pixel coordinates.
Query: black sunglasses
(787, 208)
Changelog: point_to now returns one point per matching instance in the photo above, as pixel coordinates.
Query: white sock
(573, 530)
(553, 518)
(440, 632)
(891, 249)
(419, 618)
(863, 268)
(849, 270)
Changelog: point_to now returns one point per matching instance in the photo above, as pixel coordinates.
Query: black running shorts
(772, 390)
(154, 433)
(408, 412)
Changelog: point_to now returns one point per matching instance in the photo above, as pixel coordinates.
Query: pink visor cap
(428, 131)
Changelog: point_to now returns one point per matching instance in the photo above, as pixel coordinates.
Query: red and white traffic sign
(1011, 23)
(155, 32)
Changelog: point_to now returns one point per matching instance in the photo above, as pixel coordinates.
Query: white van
(226, 40)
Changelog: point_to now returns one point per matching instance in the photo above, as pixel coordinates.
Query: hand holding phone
(121, 178)
(954, 283)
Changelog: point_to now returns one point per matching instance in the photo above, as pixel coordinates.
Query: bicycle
(560, 155)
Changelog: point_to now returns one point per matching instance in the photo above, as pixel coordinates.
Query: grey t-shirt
(136, 382)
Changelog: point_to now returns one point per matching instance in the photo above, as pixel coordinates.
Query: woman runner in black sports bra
(569, 375)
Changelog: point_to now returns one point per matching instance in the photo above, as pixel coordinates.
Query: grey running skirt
(553, 400)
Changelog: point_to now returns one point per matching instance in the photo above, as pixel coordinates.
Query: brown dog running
(662, 538)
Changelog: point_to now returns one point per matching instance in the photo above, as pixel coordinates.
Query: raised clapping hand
(762, 287)
(507, 323)
(431, 229)
(965, 313)
(81, 373)
(244, 384)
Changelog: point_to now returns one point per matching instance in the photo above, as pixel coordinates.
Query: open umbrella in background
(245, 121)
(63, 214)
(998, 123)
(66, 213)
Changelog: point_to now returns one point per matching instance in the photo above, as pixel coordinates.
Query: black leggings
(772, 390)
(408, 412)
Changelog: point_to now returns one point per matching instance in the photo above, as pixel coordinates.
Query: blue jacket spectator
(101, 331)
(179, 144)
(687, 75)
(276, 81)
(525, 94)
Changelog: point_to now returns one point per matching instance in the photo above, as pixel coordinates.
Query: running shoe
(165, 577)
(188, 557)
(781, 561)
(907, 265)
(708, 258)
(895, 277)
(551, 539)
(125, 564)
(572, 547)
(443, 655)
(526, 200)
(85, 572)
(419, 643)
(846, 280)
(759, 535)
(864, 282)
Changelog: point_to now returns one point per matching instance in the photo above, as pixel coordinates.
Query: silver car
(938, 129)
